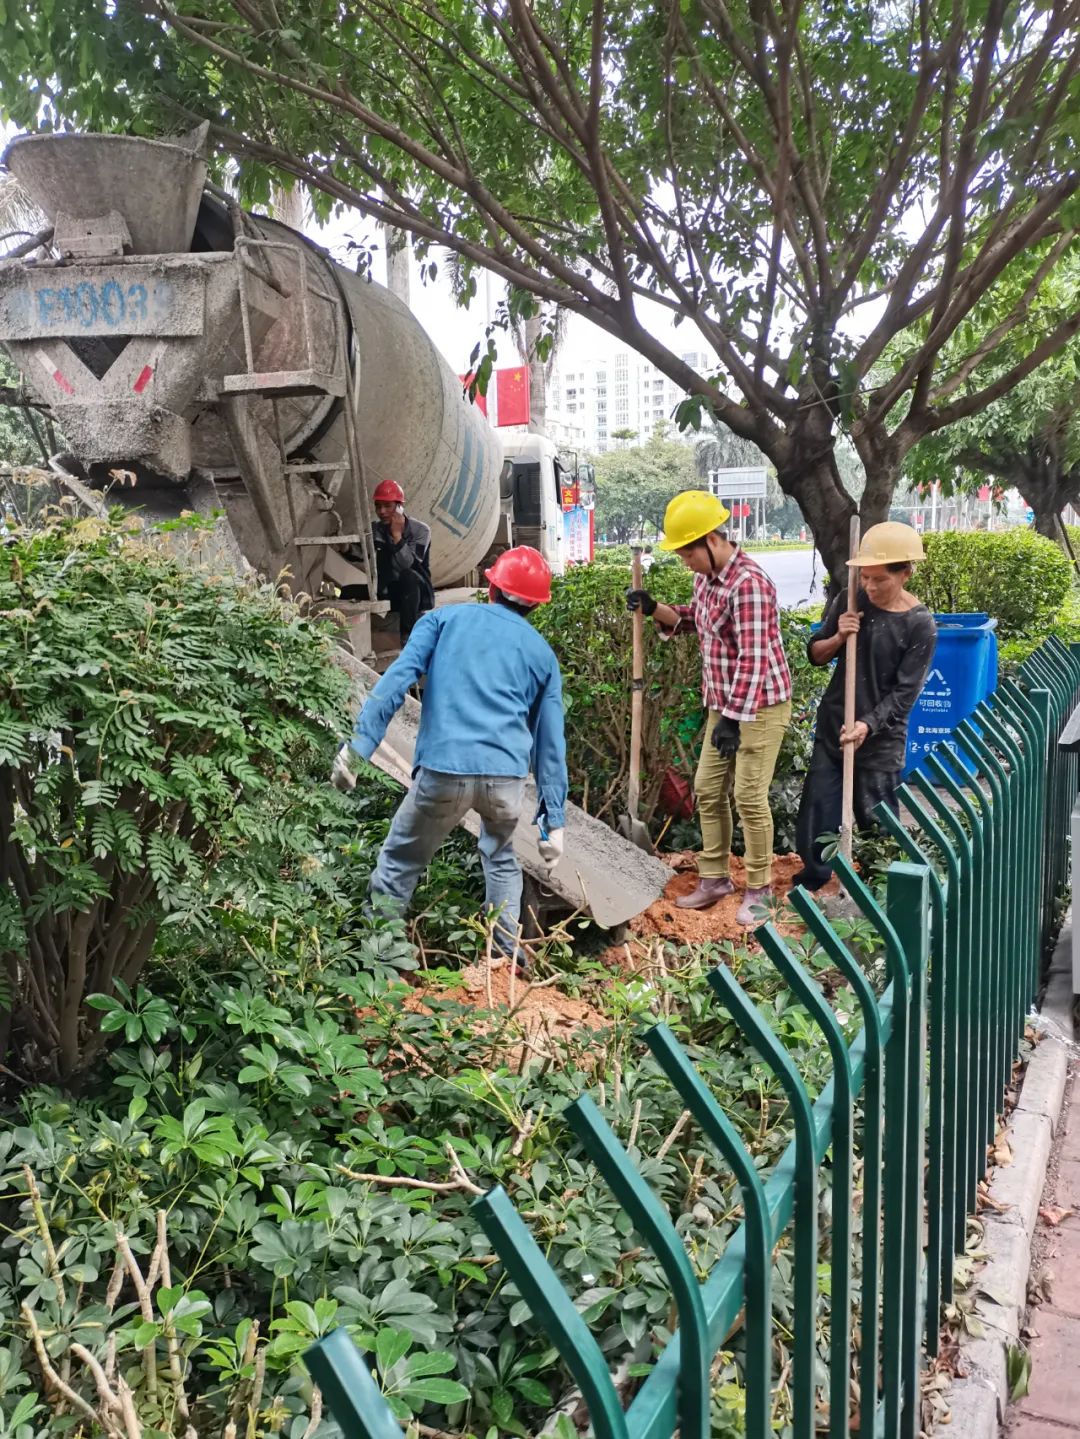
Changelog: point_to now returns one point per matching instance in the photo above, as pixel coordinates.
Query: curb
(977, 1403)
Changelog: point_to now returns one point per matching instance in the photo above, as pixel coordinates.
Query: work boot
(709, 892)
(753, 901)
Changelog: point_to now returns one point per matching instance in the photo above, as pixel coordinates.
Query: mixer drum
(241, 308)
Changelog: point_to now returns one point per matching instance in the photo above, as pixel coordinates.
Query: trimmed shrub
(150, 718)
(1018, 577)
(589, 628)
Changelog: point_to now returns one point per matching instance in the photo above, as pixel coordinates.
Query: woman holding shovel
(746, 688)
(895, 637)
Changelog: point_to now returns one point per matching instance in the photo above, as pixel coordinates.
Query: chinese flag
(481, 400)
(512, 396)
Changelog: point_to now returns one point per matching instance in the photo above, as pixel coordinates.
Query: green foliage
(151, 718)
(290, 1083)
(1018, 577)
(588, 626)
(18, 444)
(1028, 439)
(634, 485)
(595, 195)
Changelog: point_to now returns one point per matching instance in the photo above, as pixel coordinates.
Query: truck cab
(530, 490)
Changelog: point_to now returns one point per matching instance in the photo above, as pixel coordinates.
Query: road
(797, 574)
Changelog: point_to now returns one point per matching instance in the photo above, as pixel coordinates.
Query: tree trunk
(1046, 485)
(827, 509)
(537, 378)
(397, 263)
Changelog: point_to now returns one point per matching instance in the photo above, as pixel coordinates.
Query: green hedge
(589, 628)
(1019, 577)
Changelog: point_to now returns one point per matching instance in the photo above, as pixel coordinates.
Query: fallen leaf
(1053, 1215)
(986, 1199)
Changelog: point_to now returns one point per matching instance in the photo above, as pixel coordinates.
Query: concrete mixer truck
(223, 360)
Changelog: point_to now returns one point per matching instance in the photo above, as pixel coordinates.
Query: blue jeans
(435, 805)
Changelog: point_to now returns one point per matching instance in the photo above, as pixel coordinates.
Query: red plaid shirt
(737, 619)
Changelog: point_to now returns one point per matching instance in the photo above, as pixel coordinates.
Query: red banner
(481, 400)
(512, 396)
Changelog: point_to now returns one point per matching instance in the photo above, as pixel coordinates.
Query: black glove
(640, 600)
(725, 737)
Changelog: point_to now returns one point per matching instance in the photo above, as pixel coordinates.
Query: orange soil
(543, 1009)
(537, 1008)
(699, 926)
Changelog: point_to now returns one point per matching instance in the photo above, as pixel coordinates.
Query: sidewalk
(1051, 1409)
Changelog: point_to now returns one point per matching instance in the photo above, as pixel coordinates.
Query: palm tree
(287, 206)
(20, 218)
(718, 448)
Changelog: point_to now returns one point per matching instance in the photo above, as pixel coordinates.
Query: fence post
(941, 1139)
(908, 907)
(351, 1395)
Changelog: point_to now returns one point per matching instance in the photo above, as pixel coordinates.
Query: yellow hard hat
(891, 543)
(690, 516)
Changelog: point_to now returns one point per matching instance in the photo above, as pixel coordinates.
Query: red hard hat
(522, 574)
(388, 492)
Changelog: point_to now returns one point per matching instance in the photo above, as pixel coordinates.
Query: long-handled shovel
(847, 812)
(630, 827)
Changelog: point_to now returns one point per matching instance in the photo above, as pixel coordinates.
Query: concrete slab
(1055, 1369)
(973, 1410)
(1020, 1184)
(1003, 1278)
(1044, 1085)
(599, 872)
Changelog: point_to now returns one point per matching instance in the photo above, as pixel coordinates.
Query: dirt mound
(542, 1011)
(537, 1008)
(700, 926)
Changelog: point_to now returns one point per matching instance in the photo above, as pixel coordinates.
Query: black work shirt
(894, 651)
(395, 558)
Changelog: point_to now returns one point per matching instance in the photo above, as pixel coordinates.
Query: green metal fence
(912, 1104)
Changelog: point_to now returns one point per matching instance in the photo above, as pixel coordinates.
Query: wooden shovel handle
(847, 809)
(637, 672)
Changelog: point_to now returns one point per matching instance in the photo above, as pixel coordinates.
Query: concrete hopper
(156, 185)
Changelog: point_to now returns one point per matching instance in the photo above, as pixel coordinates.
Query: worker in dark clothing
(402, 559)
(896, 640)
(402, 556)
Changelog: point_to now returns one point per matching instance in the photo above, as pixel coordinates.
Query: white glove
(551, 849)
(342, 776)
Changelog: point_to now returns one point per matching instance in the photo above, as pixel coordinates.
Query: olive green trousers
(743, 779)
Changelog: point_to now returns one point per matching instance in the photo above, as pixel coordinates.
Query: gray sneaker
(754, 900)
(708, 892)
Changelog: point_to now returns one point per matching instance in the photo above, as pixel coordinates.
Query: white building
(620, 391)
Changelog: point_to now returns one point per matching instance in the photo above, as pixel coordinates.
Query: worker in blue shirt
(492, 706)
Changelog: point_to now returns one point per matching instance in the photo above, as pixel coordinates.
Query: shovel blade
(635, 832)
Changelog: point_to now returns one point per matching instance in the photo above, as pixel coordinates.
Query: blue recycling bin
(964, 673)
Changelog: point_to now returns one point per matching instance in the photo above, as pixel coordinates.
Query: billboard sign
(745, 483)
